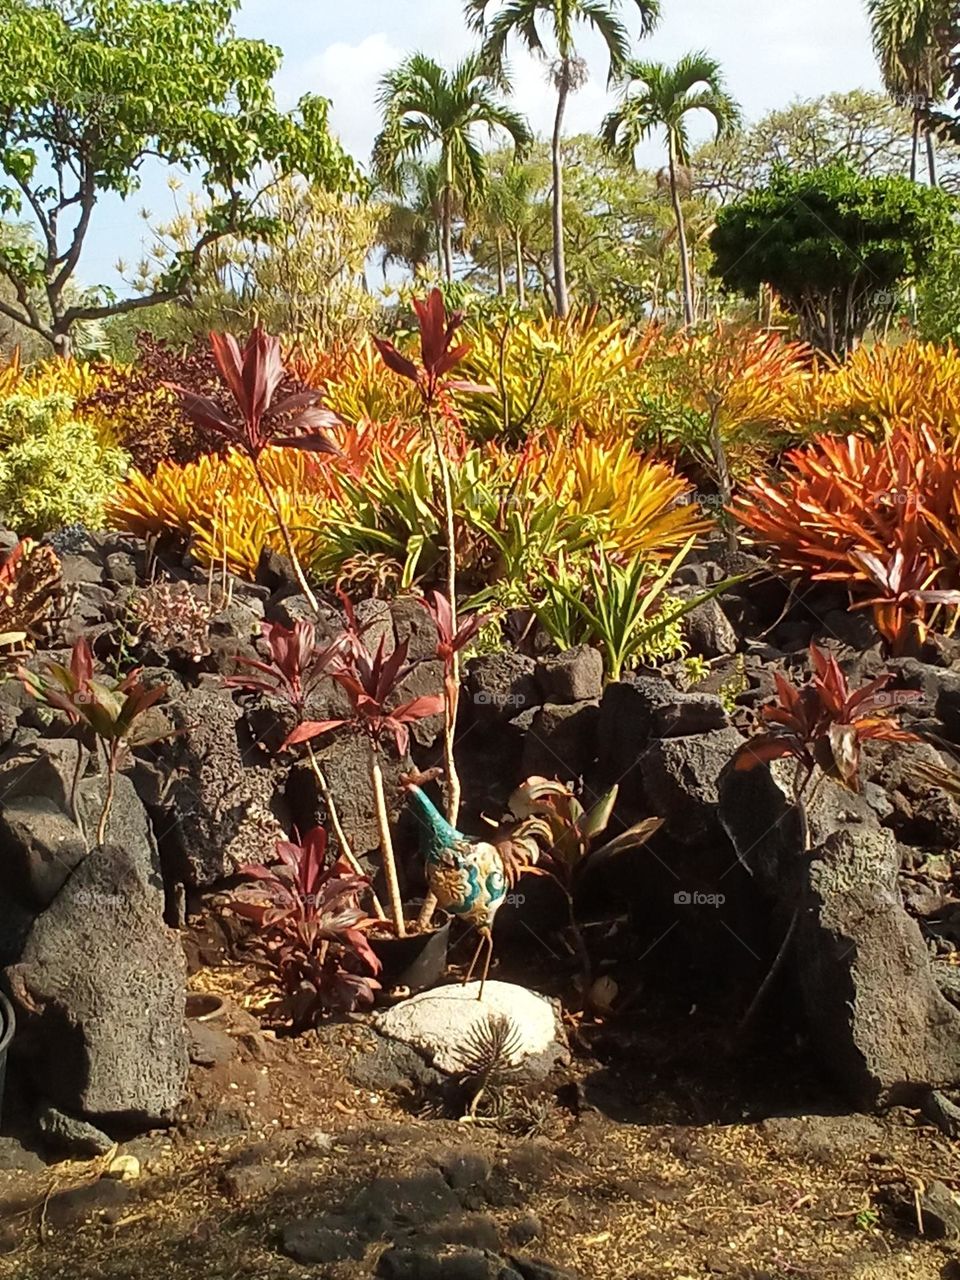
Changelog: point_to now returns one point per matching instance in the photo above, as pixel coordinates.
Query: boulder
(709, 632)
(500, 686)
(680, 781)
(576, 675)
(872, 1005)
(216, 806)
(439, 1025)
(100, 996)
(561, 740)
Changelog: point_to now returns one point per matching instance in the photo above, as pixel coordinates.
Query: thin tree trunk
(681, 237)
(932, 158)
(501, 270)
(386, 843)
(562, 303)
(915, 148)
(521, 270)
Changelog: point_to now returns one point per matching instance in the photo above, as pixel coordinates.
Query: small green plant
(623, 609)
(735, 684)
(695, 670)
(55, 469)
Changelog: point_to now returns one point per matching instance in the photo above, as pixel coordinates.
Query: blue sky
(774, 51)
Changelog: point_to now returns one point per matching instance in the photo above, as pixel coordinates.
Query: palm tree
(913, 58)
(427, 108)
(656, 96)
(526, 20)
(411, 230)
(505, 218)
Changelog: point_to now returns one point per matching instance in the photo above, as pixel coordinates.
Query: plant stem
(580, 946)
(108, 798)
(75, 790)
(386, 842)
(287, 539)
(452, 688)
(345, 847)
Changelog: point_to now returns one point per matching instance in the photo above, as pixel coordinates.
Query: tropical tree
(655, 96)
(427, 108)
(90, 93)
(908, 40)
(529, 21)
(505, 219)
(411, 229)
(836, 248)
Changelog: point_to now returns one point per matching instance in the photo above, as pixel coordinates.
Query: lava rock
(413, 1201)
(218, 806)
(71, 1136)
(209, 1046)
(464, 1168)
(561, 740)
(875, 1014)
(576, 675)
(680, 780)
(99, 991)
(709, 632)
(499, 686)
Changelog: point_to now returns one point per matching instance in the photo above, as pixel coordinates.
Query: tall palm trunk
(932, 158)
(562, 304)
(521, 269)
(681, 236)
(448, 233)
(501, 270)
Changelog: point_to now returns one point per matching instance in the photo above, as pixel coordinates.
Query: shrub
(882, 516)
(55, 469)
(30, 581)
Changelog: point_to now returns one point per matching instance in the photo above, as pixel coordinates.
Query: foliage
(55, 469)
(862, 129)
(174, 616)
(90, 90)
(824, 723)
(114, 714)
(743, 392)
(303, 280)
(311, 930)
(882, 516)
(30, 582)
(297, 667)
(836, 247)
(546, 372)
(354, 384)
(884, 385)
(624, 609)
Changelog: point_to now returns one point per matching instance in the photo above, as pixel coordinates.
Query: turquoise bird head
(436, 833)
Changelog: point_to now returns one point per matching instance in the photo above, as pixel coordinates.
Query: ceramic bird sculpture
(467, 876)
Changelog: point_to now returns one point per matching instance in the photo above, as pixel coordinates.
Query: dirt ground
(652, 1157)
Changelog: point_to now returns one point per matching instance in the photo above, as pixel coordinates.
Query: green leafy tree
(427, 108)
(656, 97)
(93, 90)
(549, 26)
(837, 248)
(908, 40)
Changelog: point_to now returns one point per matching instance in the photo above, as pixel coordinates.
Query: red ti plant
(824, 723)
(111, 711)
(297, 668)
(439, 355)
(371, 682)
(312, 929)
(252, 376)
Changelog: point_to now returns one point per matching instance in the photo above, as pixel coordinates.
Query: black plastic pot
(8, 1024)
(416, 962)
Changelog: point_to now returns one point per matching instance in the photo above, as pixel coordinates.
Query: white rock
(439, 1023)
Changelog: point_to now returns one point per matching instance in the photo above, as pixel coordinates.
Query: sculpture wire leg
(476, 957)
(488, 938)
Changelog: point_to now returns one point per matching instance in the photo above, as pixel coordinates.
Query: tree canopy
(836, 247)
(91, 91)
